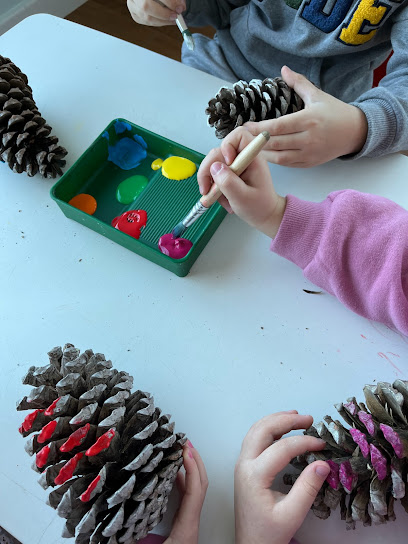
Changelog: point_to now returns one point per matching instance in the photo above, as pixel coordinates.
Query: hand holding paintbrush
(241, 162)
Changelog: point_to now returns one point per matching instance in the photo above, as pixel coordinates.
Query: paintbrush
(187, 37)
(241, 163)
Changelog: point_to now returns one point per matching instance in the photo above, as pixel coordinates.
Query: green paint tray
(166, 201)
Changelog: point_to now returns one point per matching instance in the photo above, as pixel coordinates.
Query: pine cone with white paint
(254, 101)
(110, 454)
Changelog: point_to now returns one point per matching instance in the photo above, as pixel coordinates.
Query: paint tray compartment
(166, 201)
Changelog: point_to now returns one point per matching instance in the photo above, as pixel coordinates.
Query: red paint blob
(68, 469)
(102, 443)
(42, 457)
(47, 432)
(131, 222)
(86, 495)
(75, 439)
(50, 410)
(29, 421)
(176, 248)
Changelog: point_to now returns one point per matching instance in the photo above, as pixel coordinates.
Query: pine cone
(25, 141)
(110, 454)
(368, 461)
(254, 101)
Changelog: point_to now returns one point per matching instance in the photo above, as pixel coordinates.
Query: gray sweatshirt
(335, 43)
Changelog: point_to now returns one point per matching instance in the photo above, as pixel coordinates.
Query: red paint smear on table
(42, 457)
(50, 410)
(176, 248)
(101, 444)
(86, 495)
(362, 336)
(29, 421)
(75, 439)
(395, 354)
(131, 222)
(68, 469)
(381, 354)
(47, 431)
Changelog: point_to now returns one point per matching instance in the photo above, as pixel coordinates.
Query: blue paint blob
(121, 126)
(106, 135)
(127, 153)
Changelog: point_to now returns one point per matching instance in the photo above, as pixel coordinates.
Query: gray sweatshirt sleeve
(211, 12)
(386, 106)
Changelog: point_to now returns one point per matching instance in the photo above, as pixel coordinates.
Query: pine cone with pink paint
(368, 460)
(110, 455)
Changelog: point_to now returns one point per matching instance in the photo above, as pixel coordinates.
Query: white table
(235, 340)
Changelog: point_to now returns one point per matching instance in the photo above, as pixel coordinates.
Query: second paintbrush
(240, 164)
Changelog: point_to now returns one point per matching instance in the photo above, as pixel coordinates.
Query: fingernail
(201, 191)
(180, 8)
(173, 16)
(322, 471)
(216, 167)
(189, 444)
(190, 454)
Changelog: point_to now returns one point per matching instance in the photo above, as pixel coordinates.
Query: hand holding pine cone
(111, 455)
(368, 461)
(25, 141)
(254, 101)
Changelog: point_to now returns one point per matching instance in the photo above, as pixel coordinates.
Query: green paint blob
(131, 188)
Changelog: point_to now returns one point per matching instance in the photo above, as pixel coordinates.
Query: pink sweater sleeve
(354, 246)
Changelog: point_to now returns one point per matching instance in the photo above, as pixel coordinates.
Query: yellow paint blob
(178, 168)
(157, 164)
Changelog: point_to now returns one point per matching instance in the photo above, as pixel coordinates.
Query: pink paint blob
(47, 432)
(176, 248)
(42, 456)
(68, 469)
(50, 410)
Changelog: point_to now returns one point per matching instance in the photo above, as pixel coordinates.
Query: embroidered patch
(295, 4)
(368, 14)
(315, 13)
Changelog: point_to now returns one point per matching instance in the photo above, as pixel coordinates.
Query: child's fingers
(263, 433)
(278, 455)
(181, 483)
(204, 176)
(153, 14)
(200, 465)
(300, 498)
(234, 143)
(232, 186)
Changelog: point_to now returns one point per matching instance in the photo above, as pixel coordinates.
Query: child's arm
(375, 124)
(353, 245)
(263, 516)
(211, 12)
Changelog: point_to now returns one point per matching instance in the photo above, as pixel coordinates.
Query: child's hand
(252, 196)
(263, 516)
(326, 129)
(193, 487)
(150, 12)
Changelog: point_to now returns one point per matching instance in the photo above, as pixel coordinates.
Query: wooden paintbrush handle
(242, 161)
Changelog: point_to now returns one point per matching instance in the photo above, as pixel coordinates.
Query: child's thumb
(305, 490)
(229, 183)
(304, 88)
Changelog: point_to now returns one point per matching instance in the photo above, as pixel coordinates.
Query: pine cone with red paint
(111, 456)
(25, 141)
(254, 101)
(368, 460)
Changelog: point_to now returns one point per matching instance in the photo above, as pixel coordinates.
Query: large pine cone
(254, 101)
(112, 456)
(368, 461)
(25, 141)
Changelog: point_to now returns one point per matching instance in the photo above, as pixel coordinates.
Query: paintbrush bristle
(188, 38)
(178, 231)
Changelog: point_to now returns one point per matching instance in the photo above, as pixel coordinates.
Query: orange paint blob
(84, 202)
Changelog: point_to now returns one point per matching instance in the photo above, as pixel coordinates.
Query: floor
(113, 17)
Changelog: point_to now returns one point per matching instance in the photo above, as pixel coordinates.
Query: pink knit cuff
(301, 229)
